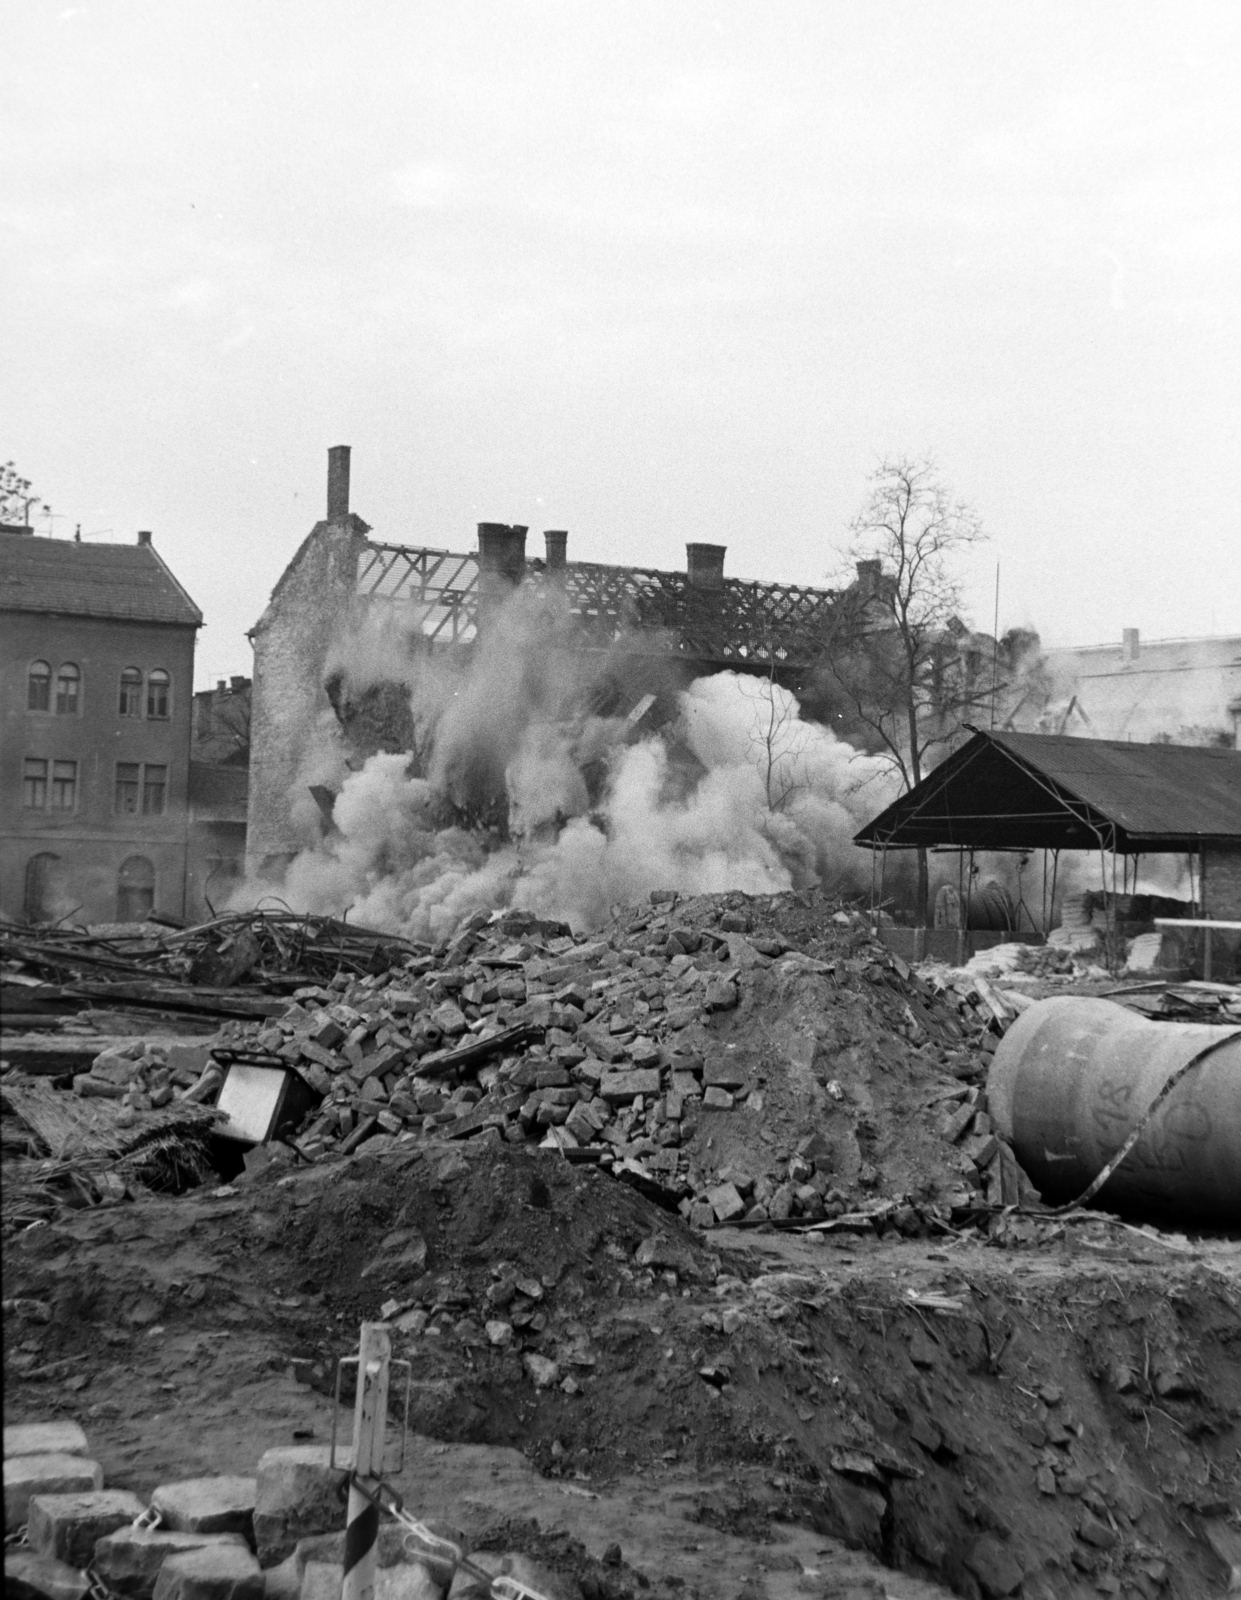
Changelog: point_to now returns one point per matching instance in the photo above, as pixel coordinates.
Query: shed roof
(127, 581)
(1049, 791)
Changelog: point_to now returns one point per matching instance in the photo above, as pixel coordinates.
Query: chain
(420, 1541)
(150, 1518)
(18, 1539)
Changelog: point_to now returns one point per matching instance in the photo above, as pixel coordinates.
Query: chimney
(868, 574)
(338, 483)
(501, 562)
(556, 541)
(705, 565)
(1129, 644)
(144, 536)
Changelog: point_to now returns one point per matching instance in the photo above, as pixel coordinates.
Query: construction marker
(370, 1415)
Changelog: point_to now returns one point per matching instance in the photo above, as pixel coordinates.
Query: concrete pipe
(1072, 1078)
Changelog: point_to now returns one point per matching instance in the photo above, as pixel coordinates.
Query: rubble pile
(692, 1048)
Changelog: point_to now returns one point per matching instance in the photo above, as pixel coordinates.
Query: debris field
(821, 1323)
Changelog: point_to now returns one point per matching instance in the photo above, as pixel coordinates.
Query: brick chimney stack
(144, 536)
(556, 541)
(705, 565)
(338, 483)
(1129, 646)
(868, 575)
(501, 563)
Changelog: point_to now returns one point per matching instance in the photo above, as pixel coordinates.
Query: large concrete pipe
(1072, 1078)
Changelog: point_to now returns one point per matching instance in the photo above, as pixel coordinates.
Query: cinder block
(216, 1572)
(297, 1494)
(45, 1439)
(68, 1526)
(208, 1505)
(26, 1476)
(28, 1576)
(129, 1560)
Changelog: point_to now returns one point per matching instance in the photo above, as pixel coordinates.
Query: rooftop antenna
(995, 644)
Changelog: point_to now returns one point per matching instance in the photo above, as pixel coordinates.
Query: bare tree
(898, 656)
(773, 740)
(16, 500)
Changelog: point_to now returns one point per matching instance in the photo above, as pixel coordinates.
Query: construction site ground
(743, 1413)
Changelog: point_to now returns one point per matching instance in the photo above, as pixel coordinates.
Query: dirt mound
(1042, 1422)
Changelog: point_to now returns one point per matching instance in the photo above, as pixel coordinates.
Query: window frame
(35, 778)
(150, 787)
(32, 677)
(69, 672)
(56, 789)
(158, 678)
(118, 808)
(131, 693)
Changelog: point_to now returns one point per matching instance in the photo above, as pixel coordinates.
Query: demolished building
(649, 632)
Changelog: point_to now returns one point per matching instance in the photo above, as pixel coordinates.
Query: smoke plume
(731, 790)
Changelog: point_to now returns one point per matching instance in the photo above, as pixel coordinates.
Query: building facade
(96, 679)
(1177, 691)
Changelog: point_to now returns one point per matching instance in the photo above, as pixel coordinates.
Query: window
(159, 686)
(131, 693)
(34, 784)
(128, 778)
(47, 895)
(64, 785)
(154, 790)
(38, 686)
(68, 682)
(135, 889)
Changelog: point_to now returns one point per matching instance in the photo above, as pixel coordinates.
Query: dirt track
(743, 1404)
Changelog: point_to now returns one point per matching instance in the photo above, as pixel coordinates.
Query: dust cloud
(515, 791)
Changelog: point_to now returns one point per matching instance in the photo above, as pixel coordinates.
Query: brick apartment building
(96, 680)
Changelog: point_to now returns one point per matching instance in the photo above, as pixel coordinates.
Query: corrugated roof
(1051, 791)
(128, 581)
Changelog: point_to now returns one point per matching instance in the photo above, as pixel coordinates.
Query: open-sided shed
(1040, 791)
(1036, 791)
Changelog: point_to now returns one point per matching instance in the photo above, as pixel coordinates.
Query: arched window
(135, 889)
(159, 691)
(46, 888)
(38, 686)
(68, 682)
(130, 704)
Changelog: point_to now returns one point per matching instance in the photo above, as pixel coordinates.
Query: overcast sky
(651, 272)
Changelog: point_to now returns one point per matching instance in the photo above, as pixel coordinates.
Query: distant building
(1175, 691)
(96, 676)
(218, 788)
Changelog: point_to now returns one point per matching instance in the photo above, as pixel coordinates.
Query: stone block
(68, 1526)
(721, 1073)
(701, 1215)
(717, 1099)
(45, 1439)
(721, 995)
(208, 1505)
(297, 1494)
(28, 1576)
(725, 1202)
(25, 1476)
(214, 1572)
(129, 1560)
(619, 1088)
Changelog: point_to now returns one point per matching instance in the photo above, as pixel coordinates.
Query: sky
(653, 272)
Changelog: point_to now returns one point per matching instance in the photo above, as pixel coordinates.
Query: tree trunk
(923, 919)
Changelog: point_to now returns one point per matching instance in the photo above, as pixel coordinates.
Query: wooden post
(370, 1416)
